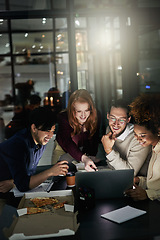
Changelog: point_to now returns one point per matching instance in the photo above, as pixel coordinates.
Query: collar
(156, 149)
(127, 131)
(35, 146)
(32, 142)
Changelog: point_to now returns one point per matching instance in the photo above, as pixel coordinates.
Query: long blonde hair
(82, 96)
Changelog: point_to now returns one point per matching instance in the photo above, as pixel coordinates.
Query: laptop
(106, 183)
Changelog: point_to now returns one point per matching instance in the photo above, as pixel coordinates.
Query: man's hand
(137, 193)
(6, 185)
(60, 168)
(108, 141)
(89, 164)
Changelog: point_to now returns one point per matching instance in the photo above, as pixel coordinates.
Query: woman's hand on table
(137, 193)
(89, 164)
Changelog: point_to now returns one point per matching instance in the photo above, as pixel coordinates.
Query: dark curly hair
(145, 110)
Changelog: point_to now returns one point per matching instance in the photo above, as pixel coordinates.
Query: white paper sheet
(123, 214)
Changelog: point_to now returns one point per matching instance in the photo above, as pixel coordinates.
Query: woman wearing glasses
(122, 150)
(78, 130)
(146, 112)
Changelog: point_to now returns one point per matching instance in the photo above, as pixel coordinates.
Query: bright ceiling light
(44, 20)
(77, 22)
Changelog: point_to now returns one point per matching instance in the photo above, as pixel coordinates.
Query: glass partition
(37, 5)
(58, 4)
(82, 51)
(3, 25)
(28, 43)
(32, 24)
(40, 69)
(6, 95)
(149, 59)
(61, 35)
(63, 77)
(4, 43)
(61, 41)
(2, 4)
(148, 3)
(5, 77)
(30, 5)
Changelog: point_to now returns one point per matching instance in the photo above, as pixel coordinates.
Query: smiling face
(144, 136)
(41, 137)
(118, 120)
(82, 112)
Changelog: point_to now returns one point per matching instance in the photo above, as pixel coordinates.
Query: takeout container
(48, 224)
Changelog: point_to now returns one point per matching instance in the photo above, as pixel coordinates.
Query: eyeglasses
(119, 120)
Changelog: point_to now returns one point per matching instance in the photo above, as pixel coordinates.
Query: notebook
(106, 183)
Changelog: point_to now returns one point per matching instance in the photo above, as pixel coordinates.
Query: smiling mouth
(116, 129)
(142, 143)
(46, 139)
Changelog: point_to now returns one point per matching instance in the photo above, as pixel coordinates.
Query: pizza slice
(32, 210)
(59, 205)
(43, 201)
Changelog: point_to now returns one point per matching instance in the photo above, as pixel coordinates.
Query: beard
(117, 135)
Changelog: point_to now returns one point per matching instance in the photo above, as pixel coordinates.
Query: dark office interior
(109, 47)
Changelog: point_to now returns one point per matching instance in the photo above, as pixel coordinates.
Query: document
(123, 214)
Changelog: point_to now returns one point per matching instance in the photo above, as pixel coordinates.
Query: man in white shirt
(122, 149)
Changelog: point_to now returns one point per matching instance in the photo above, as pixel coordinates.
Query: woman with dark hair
(146, 112)
(78, 129)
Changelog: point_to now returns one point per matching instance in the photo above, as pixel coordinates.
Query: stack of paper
(123, 214)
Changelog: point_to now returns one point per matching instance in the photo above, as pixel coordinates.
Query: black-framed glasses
(121, 121)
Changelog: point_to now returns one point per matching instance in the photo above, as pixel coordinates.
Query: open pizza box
(54, 223)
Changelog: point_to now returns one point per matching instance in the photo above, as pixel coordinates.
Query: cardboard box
(58, 222)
